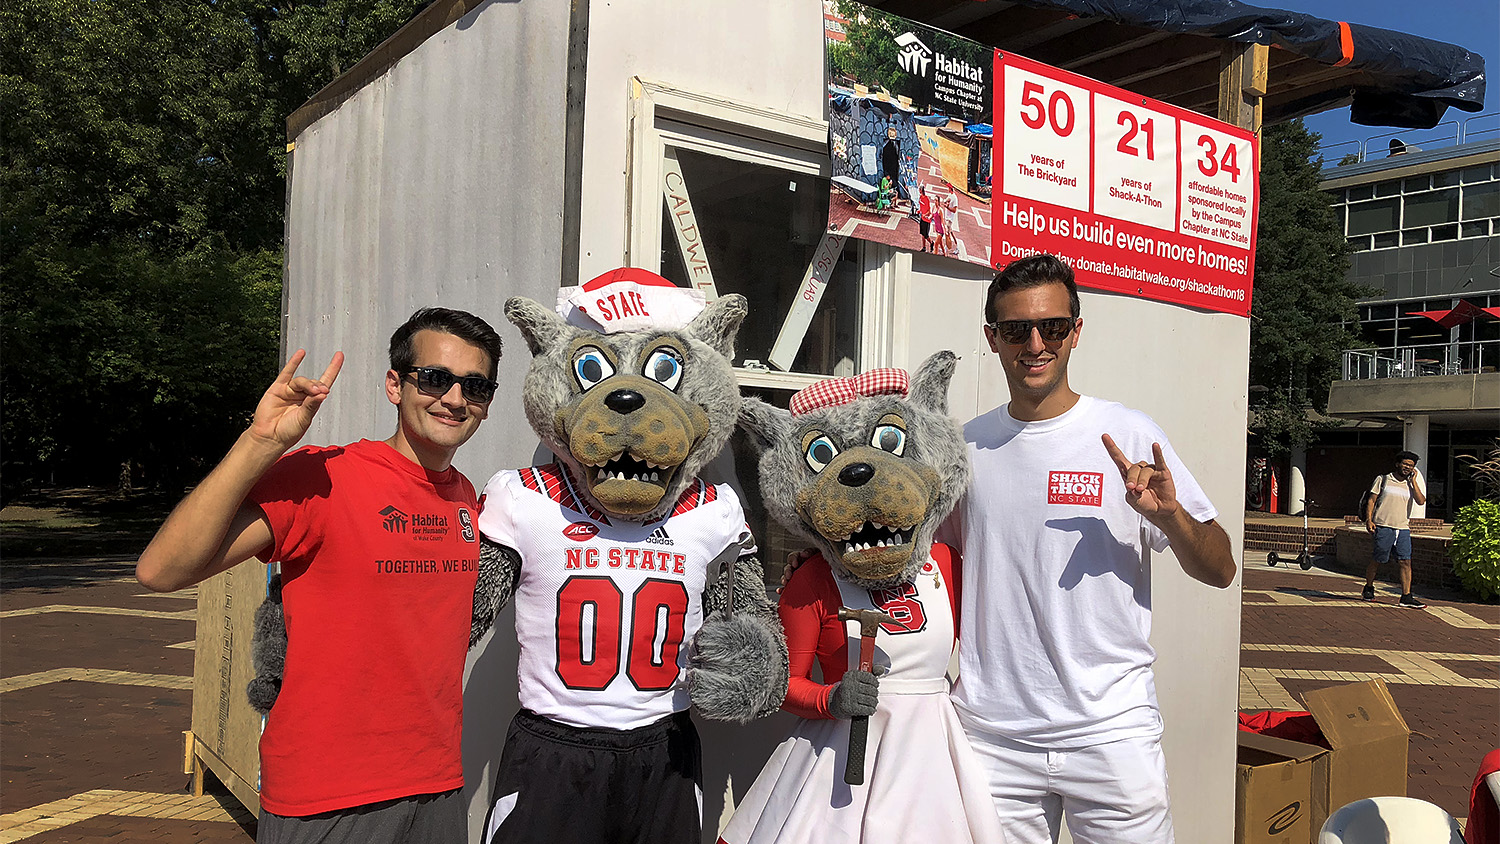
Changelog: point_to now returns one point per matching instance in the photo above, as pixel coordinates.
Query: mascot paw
(262, 692)
(854, 695)
(735, 669)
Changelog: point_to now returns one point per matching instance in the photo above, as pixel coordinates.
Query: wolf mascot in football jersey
(867, 468)
(623, 565)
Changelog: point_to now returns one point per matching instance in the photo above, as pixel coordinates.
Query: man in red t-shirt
(379, 551)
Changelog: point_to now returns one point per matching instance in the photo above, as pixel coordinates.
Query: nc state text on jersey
(629, 558)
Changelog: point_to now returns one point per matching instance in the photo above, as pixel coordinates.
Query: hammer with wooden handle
(859, 725)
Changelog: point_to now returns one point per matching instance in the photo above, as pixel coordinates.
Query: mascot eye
(889, 438)
(820, 452)
(664, 366)
(590, 367)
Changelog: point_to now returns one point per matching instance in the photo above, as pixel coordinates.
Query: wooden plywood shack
(225, 737)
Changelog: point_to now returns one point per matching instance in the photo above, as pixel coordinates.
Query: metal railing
(1416, 361)
(1460, 133)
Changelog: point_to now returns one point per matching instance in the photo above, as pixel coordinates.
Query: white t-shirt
(1393, 503)
(605, 608)
(1054, 649)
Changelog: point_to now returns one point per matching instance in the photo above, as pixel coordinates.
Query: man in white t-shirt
(1388, 516)
(1055, 687)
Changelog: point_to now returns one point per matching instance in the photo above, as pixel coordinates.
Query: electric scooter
(1305, 558)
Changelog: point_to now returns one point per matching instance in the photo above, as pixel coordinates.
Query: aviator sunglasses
(436, 382)
(1017, 331)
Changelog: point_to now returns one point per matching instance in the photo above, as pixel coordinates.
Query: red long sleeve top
(809, 612)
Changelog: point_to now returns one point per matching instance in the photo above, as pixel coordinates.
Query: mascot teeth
(627, 468)
(874, 536)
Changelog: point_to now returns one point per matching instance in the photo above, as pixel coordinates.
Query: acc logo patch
(581, 531)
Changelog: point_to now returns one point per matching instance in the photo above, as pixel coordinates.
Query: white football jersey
(605, 607)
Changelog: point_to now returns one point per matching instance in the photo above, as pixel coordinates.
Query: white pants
(1113, 793)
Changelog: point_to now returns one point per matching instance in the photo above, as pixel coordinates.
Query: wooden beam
(1028, 42)
(1147, 63)
(999, 30)
(922, 10)
(962, 14)
(1103, 52)
(1241, 71)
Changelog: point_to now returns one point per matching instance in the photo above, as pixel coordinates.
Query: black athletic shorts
(558, 784)
(421, 819)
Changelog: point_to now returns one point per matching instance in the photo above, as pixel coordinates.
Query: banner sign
(1138, 196)
(935, 149)
(908, 133)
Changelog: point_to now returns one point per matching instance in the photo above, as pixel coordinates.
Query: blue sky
(1473, 24)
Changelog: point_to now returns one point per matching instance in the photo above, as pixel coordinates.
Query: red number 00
(589, 615)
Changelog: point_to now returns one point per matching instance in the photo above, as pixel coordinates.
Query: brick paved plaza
(97, 673)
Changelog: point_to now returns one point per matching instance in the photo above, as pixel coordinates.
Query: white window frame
(662, 116)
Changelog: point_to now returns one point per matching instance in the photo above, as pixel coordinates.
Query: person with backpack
(1387, 515)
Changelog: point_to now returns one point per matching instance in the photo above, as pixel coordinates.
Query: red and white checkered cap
(629, 299)
(832, 392)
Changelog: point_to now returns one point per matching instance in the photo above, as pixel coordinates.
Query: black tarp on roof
(1403, 80)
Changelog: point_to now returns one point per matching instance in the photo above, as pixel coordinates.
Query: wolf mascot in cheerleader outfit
(867, 468)
(621, 562)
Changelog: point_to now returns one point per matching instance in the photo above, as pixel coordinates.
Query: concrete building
(1424, 220)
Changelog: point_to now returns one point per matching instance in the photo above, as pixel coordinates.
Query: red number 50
(589, 615)
(1059, 109)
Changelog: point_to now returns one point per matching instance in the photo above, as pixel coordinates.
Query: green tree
(868, 53)
(142, 164)
(1304, 305)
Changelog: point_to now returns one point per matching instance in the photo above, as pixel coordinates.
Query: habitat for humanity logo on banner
(909, 133)
(1138, 196)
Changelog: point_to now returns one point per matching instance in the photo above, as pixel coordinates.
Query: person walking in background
(1387, 515)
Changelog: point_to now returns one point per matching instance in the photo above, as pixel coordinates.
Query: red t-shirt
(379, 559)
(809, 612)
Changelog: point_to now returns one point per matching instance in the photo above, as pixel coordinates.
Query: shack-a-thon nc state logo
(1085, 488)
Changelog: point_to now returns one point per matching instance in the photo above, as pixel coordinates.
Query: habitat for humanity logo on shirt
(425, 526)
(1075, 488)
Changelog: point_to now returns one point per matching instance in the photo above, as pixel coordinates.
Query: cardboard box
(1273, 789)
(1369, 741)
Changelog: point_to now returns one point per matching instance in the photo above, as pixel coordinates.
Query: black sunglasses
(433, 381)
(1017, 331)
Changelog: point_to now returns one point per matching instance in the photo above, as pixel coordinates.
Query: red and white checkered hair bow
(836, 391)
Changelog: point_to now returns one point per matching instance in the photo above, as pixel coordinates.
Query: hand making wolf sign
(286, 410)
(1148, 486)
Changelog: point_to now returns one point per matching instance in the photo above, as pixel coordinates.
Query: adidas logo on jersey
(659, 536)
